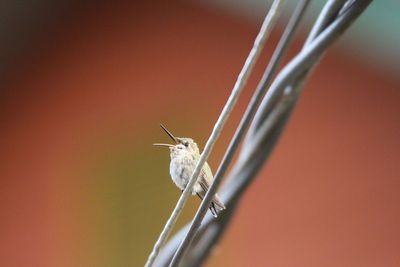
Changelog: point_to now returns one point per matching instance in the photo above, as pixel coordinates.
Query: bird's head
(181, 146)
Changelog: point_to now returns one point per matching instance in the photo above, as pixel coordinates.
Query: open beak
(169, 134)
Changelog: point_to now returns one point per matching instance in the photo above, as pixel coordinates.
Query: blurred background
(84, 86)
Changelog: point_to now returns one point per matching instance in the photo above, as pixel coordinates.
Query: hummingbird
(184, 157)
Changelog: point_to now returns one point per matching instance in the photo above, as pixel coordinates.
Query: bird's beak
(167, 145)
(169, 134)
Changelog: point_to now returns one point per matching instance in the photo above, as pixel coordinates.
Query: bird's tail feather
(216, 204)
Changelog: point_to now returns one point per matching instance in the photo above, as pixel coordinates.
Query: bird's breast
(181, 169)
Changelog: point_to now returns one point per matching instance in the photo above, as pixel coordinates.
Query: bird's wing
(205, 181)
(207, 173)
(205, 177)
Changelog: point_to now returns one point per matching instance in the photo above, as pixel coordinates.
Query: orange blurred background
(81, 184)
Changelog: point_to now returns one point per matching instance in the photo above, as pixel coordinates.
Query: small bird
(184, 157)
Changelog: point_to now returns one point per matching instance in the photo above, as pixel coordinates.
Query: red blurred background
(81, 184)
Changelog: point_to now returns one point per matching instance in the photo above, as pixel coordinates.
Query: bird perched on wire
(184, 157)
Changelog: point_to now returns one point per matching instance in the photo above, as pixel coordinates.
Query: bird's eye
(186, 144)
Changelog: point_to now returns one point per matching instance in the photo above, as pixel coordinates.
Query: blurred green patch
(130, 196)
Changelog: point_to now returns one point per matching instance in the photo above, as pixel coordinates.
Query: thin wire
(245, 121)
(266, 27)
